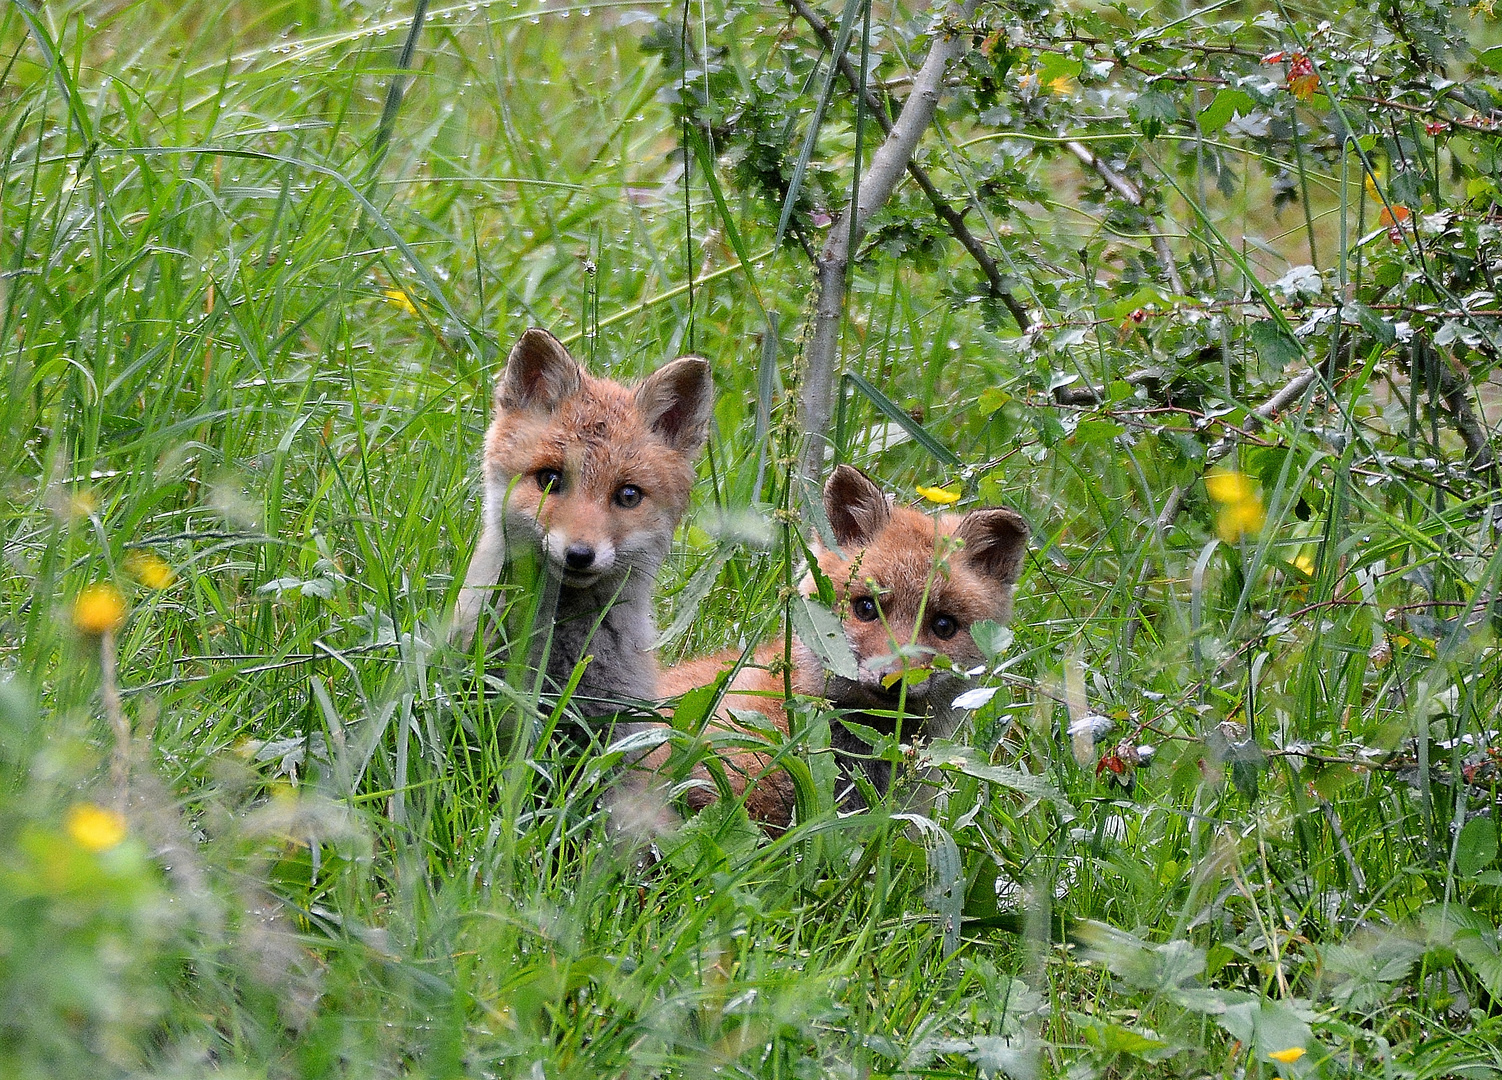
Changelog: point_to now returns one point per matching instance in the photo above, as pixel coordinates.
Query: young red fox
(594, 477)
(901, 578)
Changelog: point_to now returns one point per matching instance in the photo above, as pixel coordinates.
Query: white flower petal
(974, 699)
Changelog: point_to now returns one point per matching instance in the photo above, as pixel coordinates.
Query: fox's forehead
(597, 436)
(914, 557)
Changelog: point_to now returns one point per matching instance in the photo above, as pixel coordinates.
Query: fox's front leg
(479, 583)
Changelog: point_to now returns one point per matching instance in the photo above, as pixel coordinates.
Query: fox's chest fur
(593, 477)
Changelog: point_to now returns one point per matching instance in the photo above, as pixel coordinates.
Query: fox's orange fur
(901, 578)
(594, 476)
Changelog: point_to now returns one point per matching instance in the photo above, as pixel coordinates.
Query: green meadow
(260, 264)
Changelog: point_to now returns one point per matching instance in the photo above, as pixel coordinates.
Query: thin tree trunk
(876, 187)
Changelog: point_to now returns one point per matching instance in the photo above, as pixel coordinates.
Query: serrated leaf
(819, 629)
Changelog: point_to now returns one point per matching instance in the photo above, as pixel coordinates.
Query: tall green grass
(241, 336)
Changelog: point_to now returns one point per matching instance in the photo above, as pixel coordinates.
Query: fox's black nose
(579, 556)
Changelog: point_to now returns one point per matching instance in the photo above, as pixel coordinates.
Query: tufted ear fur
(539, 373)
(677, 401)
(857, 509)
(995, 543)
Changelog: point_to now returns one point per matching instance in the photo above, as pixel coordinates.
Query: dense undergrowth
(251, 303)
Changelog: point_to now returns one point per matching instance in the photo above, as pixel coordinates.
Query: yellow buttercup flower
(942, 496)
(149, 569)
(1239, 511)
(99, 609)
(94, 827)
(398, 298)
(1304, 563)
(1289, 1056)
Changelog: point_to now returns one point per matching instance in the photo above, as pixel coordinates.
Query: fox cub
(902, 579)
(594, 477)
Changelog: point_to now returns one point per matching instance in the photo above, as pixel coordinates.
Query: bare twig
(1132, 194)
(953, 219)
(887, 165)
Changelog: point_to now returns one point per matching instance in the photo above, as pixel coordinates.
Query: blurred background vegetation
(1208, 294)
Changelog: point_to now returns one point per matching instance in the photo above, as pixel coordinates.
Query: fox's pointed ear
(677, 401)
(857, 509)
(539, 373)
(995, 543)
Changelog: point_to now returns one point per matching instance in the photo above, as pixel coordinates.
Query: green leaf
(950, 756)
(1152, 110)
(1476, 846)
(898, 415)
(993, 398)
(1276, 346)
(693, 593)
(1112, 1038)
(1087, 432)
(1478, 948)
(819, 629)
(991, 638)
(1491, 58)
(1380, 329)
(1225, 105)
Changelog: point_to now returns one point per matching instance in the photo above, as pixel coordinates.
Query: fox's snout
(579, 554)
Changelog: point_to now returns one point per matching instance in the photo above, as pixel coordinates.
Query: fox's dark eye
(944, 627)
(863, 608)
(550, 480)
(627, 495)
